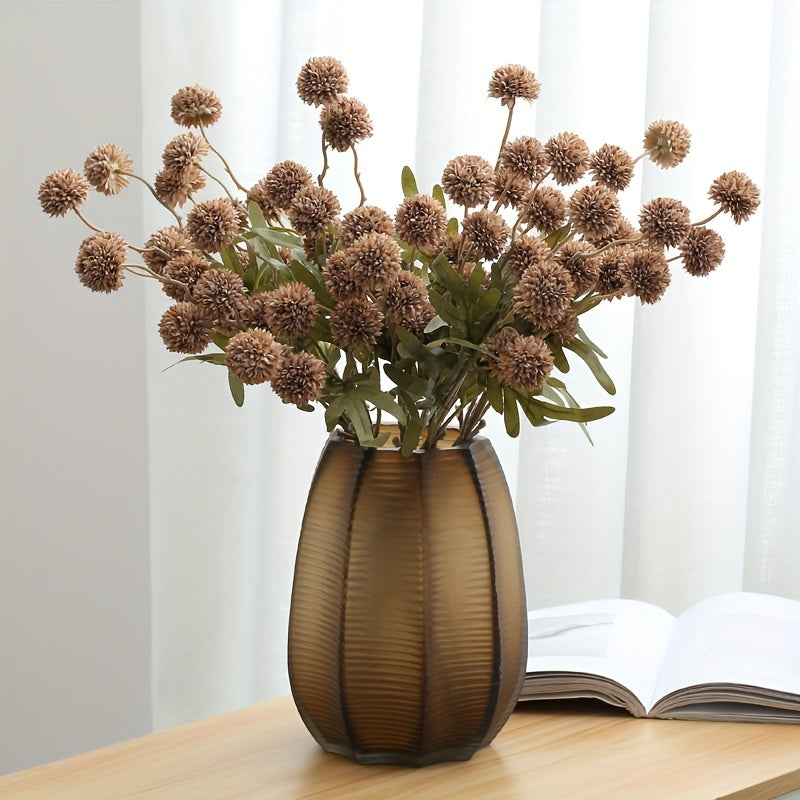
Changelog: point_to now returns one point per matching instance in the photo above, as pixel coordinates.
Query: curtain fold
(690, 488)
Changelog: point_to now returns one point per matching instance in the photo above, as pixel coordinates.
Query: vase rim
(446, 444)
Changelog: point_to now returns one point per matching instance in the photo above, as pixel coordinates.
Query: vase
(408, 626)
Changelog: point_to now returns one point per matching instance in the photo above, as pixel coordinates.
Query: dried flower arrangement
(430, 319)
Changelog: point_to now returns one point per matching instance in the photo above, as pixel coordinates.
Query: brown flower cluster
(432, 315)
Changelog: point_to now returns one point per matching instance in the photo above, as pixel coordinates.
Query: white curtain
(689, 489)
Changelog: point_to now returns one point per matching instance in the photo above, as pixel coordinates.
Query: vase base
(400, 758)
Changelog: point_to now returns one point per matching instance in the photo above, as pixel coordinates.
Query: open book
(731, 657)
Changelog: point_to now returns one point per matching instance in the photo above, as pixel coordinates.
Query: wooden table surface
(548, 750)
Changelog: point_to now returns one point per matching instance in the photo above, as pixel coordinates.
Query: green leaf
(510, 412)
(379, 399)
(460, 342)
(593, 362)
(409, 182)
(334, 411)
(237, 389)
(452, 226)
(280, 237)
(415, 386)
(231, 260)
(411, 435)
(256, 215)
(438, 196)
(494, 393)
(572, 414)
(360, 419)
(452, 315)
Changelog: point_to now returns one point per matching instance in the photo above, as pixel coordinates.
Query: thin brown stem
(325, 165)
(506, 132)
(358, 177)
(155, 194)
(221, 158)
(707, 219)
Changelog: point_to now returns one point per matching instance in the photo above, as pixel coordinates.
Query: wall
(74, 552)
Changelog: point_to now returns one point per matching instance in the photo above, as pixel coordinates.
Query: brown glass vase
(408, 629)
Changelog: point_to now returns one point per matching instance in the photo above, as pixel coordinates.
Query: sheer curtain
(690, 488)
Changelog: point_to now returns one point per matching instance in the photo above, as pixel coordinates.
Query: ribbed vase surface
(407, 632)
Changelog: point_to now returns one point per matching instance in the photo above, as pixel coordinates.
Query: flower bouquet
(468, 298)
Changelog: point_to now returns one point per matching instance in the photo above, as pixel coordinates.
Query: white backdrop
(149, 526)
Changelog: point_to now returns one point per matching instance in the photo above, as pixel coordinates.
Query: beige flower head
(614, 263)
(356, 324)
(312, 208)
(485, 234)
(195, 106)
(667, 142)
(580, 260)
(299, 379)
(525, 156)
(219, 291)
(99, 265)
(567, 156)
(664, 221)
(253, 356)
(321, 79)
(164, 245)
(339, 278)
(735, 194)
(282, 183)
(62, 191)
(521, 362)
(259, 194)
(513, 81)
(420, 222)
(702, 251)
(186, 328)
(612, 167)
(374, 261)
(646, 274)
(363, 220)
(214, 224)
(406, 303)
(594, 211)
(107, 168)
(345, 121)
(184, 152)
(182, 273)
(510, 188)
(526, 251)
(468, 180)
(291, 310)
(175, 187)
(544, 295)
(545, 209)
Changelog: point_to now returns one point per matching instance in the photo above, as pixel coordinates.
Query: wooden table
(548, 750)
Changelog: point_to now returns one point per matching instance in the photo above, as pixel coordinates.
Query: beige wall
(74, 550)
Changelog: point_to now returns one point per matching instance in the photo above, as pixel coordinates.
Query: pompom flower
(735, 194)
(99, 265)
(214, 224)
(525, 156)
(363, 220)
(667, 142)
(356, 324)
(612, 167)
(646, 274)
(62, 191)
(567, 156)
(526, 251)
(299, 379)
(664, 221)
(291, 310)
(321, 79)
(374, 261)
(513, 81)
(702, 251)
(175, 186)
(184, 152)
(182, 273)
(345, 121)
(421, 221)
(186, 328)
(253, 356)
(312, 208)
(164, 245)
(545, 209)
(220, 291)
(594, 211)
(107, 168)
(194, 106)
(485, 234)
(544, 295)
(468, 180)
(406, 303)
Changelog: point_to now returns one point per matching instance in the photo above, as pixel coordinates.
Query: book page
(623, 640)
(740, 638)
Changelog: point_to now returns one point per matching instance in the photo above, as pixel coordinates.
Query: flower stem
(221, 158)
(155, 194)
(358, 177)
(707, 219)
(506, 132)
(321, 176)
